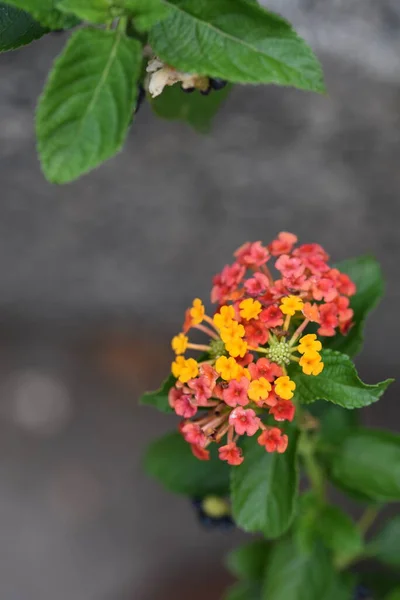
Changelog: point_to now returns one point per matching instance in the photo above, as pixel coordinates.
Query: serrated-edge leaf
(83, 114)
(17, 28)
(264, 488)
(279, 55)
(338, 383)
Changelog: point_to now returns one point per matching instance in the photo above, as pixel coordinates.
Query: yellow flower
(179, 343)
(309, 343)
(236, 347)
(311, 363)
(233, 331)
(290, 304)
(259, 389)
(285, 387)
(227, 368)
(197, 311)
(184, 369)
(250, 309)
(224, 317)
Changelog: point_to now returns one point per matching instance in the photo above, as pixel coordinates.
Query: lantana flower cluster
(240, 384)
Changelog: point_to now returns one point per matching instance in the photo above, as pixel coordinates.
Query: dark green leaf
(238, 41)
(17, 28)
(87, 104)
(368, 462)
(46, 13)
(380, 582)
(171, 462)
(394, 595)
(338, 383)
(197, 110)
(159, 398)
(248, 561)
(341, 588)
(367, 275)
(264, 488)
(339, 533)
(244, 590)
(386, 545)
(294, 575)
(334, 421)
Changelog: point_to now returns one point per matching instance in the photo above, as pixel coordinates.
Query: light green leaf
(249, 560)
(87, 104)
(244, 590)
(197, 110)
(238, 41)
(170, 460)
(366, 273)
(94, 11)
(17, 28)
(294, 575)
(338, 383)
(46, 13)
(394, 595)
(368, 462)
(386, 545)
(264, 488)
(145, 13)
(159, 398)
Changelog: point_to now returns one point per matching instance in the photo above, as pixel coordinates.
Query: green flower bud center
(217, 348)
(279, 353)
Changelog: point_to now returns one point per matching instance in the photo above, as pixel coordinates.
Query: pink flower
(283, 410)
(236, 392)
(282, 245)
(346, 286)
(193, 434)
(324, 288)
(328, 319)
(273, 440)
(265, 368)
(271, 316)
(200, 453)
(244, 421)
(252, 254)
(182, 403)
(314, 257)
(201, 389)
(290, 267)
(231, 453)
(257, 285)
(210, 374)
(232, 275)
(256, 333)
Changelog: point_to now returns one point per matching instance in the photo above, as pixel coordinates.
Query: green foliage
(339, 533)
(394, 595)
(294, 575)
(159, 398)
(338, 383)
(386, 545)
(87, 104)
(245, 590)
(334, 421)
(368, 462)
(17, 28)
(366, 273)
(170, 460)
(197, 110)
(46, 13)
(248, 561)
(238, 41)
(264, 488)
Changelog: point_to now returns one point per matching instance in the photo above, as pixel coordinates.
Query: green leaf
(386, 545)
(334, 421)
(17, 28)
(294, 575)
(248, 561)
(394, 595)
(238, 41)
(170, 460)
(264, 488)
(94, 11)
(339, 533)
(380, 582)
(46, 13)
(197, 110)
(338, 383)
(368, 462)
(159, 398)
(366, 273)
(245, 590)
(145, 13)
(87, 104)
(341, 588)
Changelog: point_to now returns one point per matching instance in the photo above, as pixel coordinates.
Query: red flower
(273, 440)
(252, 254)
(282, 245)
(265, 368)
(231, 453)
(193, 434)
(271, 316)
(283, 410)
(200, 453)
(328, 319)
(256, 333)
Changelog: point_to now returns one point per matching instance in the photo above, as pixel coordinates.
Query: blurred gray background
(95, 276)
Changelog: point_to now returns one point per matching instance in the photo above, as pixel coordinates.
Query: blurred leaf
(197, 110)
(334, 421)
(366, 273)
(237, 41)
(394, 595)
(146, 13)
(87, 103)
(170, 461)
(17, 28)
(244, 590)
(338, 383)
(249, 560)
(386, 545)
(46, 13)
(339, 533)
(264, 488)
(159, 398)
(368, 462)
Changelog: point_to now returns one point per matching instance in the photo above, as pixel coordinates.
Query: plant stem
(367, 518)
(313, 469)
